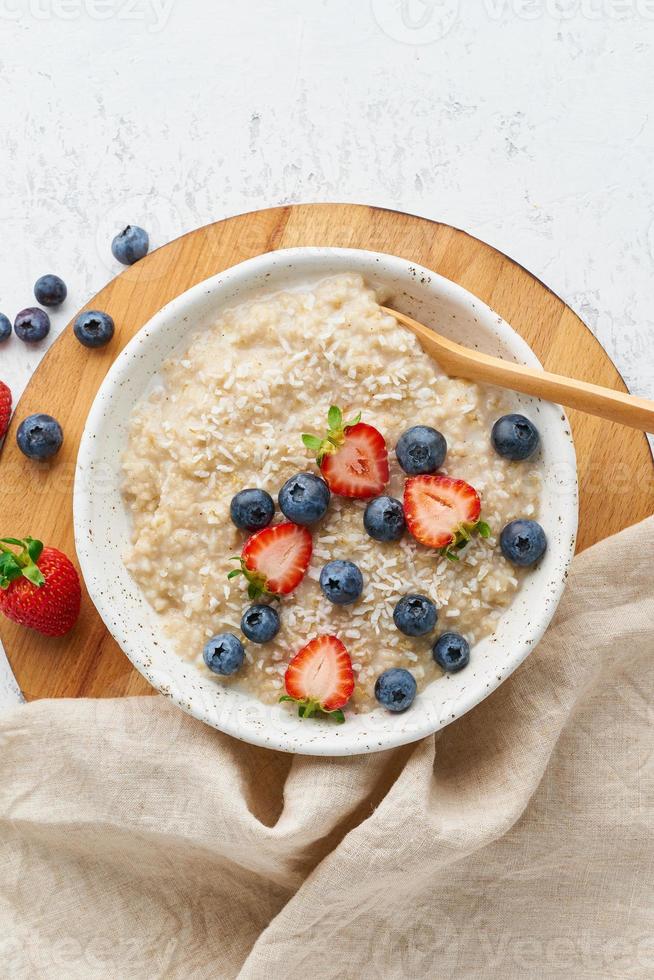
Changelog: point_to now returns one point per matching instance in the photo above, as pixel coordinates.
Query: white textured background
(526, 122)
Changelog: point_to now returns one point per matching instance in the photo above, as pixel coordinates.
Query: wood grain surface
(616, 474)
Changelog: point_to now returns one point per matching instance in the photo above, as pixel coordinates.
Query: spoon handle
(616, 406)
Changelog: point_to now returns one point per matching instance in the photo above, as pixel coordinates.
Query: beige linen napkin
(136, 842)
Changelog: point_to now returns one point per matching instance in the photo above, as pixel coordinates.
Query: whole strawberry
(5, 409)
(39, 587)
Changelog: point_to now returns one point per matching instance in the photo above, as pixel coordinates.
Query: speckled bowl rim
(133, 623)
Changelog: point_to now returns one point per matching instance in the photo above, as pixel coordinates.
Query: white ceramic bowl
(102, 525)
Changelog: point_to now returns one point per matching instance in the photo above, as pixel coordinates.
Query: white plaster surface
(526, 122)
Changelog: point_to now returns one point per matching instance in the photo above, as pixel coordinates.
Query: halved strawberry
(352, 457)
(442, 512)
(319, 678)
(274, 561)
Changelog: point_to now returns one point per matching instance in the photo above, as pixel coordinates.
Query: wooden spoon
(461, 362)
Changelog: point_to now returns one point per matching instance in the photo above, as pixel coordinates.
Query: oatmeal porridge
(230, 413)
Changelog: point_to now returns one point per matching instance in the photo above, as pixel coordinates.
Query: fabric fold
(137, 842)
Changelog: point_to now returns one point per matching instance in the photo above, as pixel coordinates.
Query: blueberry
(304, 498)
(5, 327)
(421, 449)
(384, 519)
(32, 325)
(130, 245)
(252, 510)
(341, 582)
(50, 290)
(39, 436)
(395, 689)
(523, 542)
(94, 328)
(415, 615)
(515, 437)
(224, 654)
(451, 651)
(260, 623)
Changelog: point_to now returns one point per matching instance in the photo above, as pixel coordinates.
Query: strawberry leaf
(312, 442)
(34, 548)
(335, 418)
(449, 554)
(256, 582)
(34, 574)
(462, 538)
(352, 422)
(310, 708)
(13, 565)
(9, 570)
(335, 436)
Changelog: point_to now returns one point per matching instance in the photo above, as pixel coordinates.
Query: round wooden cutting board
(616, 474)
